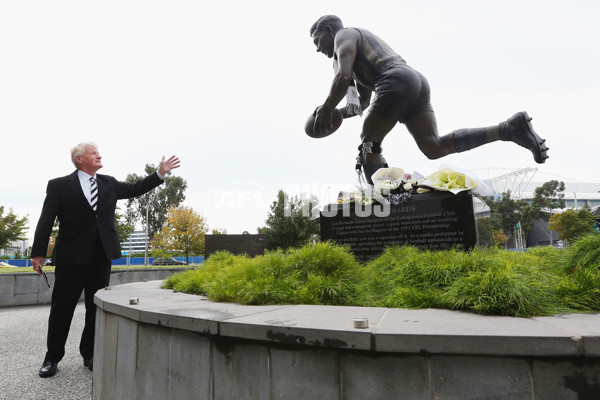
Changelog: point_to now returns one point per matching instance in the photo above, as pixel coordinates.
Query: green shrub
(404, 276)
(580, 290)
(550, 258)
(323, 273)
(198, 281)
(503, 289)
(584, 253)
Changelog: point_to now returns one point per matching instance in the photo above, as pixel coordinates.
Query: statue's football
(336, 120)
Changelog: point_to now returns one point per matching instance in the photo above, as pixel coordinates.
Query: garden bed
(541, 281)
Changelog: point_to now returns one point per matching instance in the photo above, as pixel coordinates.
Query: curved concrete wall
(178, 346)
(28, 288)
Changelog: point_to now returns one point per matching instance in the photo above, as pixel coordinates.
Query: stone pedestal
(432, 221)
(182, 346)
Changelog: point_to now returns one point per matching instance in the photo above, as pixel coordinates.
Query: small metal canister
(361, 323)
(134, 300)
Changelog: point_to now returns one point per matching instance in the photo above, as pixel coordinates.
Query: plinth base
(433, 221)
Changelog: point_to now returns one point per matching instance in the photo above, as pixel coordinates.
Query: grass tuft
(584, 253)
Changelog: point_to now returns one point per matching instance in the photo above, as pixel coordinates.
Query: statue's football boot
(518, 129)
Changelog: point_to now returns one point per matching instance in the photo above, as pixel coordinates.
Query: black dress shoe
(89, 362)
(48, 369)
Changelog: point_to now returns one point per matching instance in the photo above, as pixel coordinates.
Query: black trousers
(70, 281)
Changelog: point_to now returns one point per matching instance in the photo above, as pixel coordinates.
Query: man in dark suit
(84, 203)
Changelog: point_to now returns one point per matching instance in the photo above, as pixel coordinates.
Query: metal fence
(118, 261)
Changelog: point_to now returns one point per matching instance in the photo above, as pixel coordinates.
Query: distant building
(19, 247)
(577, 194)
(136, 243)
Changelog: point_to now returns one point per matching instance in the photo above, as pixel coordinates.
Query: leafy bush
(584, 253)
(485, 281)
(197, 281)
(580, 290)
(550, 258)
(321, 274)
(503, 289)
(409, 277)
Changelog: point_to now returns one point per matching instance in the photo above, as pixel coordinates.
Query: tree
(124, 224)
(571, 224)
(159, 246)
(505, 212)
(184, 231)
(499, 238)
(289, 224)
(550, 196)
(218, 231)
(12, 228)
(158, 201)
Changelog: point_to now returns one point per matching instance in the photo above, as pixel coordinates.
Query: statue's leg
(375, 128)
(370, 159)
(470, 138)
(516, 129)
(423, 128)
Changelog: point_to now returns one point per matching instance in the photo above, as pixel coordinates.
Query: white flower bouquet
(450, 180)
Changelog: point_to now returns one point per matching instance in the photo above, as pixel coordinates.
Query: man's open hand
(37, 263)
(166, 166)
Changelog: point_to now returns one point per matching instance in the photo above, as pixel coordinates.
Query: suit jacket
(79, 225)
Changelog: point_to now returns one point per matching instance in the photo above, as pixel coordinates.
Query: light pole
(130, 215)
(147, 225)
(146, 234)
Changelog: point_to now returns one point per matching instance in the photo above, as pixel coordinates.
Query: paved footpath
(22, 348)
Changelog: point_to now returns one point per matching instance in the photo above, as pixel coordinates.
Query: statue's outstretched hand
(322, 120)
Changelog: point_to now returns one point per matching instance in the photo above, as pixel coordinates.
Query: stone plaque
(436, 220)
(252, 245)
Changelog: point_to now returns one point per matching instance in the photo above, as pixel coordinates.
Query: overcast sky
(227, 86)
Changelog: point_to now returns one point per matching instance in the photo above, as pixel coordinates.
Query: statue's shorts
(401, 93)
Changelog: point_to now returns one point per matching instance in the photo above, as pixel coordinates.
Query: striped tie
(93, 194)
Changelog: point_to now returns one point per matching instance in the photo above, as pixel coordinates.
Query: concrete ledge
(175, 345)
(28, 288)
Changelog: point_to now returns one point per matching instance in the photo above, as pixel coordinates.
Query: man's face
(323, 40)
(90, 160)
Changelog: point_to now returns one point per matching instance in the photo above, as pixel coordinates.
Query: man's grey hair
(332, 20)
(79, 150)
